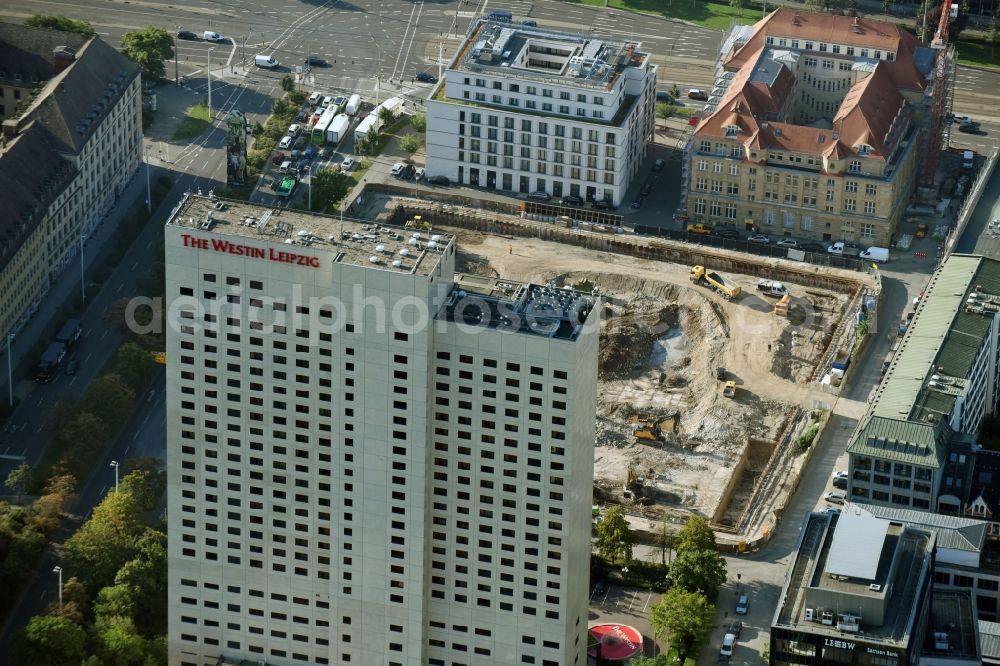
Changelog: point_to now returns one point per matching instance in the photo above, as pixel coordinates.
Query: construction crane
(938, 130)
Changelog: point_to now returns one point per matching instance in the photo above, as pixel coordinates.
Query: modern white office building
(528, 109)
(371, 460)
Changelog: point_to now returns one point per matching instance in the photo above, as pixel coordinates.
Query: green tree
(56, 22)
(614, 538)
(121, 643)
(146, 575)
(385, 117)
(699, 570)
(329, 187)
(683, 618)
(993, 36)
(658, 660)
(695, 535)
(149, 48)
(927, 21)
(108, 398)
(108, 540)
(50, 641)
(410, 143)
(419, 122)
(134, 365)
(84, 432)
(665, 111)
(288, 83)
(20, 480)
(115, 600)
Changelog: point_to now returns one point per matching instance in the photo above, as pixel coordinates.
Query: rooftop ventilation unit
(875, 587)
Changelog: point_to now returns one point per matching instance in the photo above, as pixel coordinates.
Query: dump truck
(70, 333)
(286, 187)
(716, 281)
(729, 390)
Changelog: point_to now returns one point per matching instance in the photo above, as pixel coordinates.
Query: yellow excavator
(418, 222)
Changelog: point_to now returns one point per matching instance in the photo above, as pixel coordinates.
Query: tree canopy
(683, 618)
(50, 641)
(57, 22)
(699, 570)
(695, 535)
(149, 48)
(614, 538)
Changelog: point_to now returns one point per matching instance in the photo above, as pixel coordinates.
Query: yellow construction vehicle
(730, 389)
(716, 281)
(418, 222)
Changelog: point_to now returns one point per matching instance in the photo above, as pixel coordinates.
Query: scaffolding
(938, 133)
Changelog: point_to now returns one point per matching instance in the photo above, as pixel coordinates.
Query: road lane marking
(126, 450)
(40, 428)
(87, 358)
(120, 286)
(104, 334)
(72, 380)
(101, 492)
(136, 264)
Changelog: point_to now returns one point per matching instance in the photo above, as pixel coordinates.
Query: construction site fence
(970, 203)
(615, 239)
(762, 249)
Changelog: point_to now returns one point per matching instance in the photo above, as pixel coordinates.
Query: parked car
(728, 641)
(285, 167)
(637, 202)
(921, 230)
(742, 604)
(419, 173)
(830, 510)
(302, 166)
(647, 187)
(787, 242)
(187, 34)
(211, 36)
(541, 195)
(664, 96)
(397, 168)
(439, 180)
(348, 165)
(659, 164)
(286, 142)
(600, 587)
(293, 129)
(407, 172)
(971, 129)
(736, 627)
(603, 204)
(697, 94)
(727, 233)
(699, 228)
(961, 120)
(278, 158)
(840, 482)
(759, 238)
(309, 152)
(72, 367)
(571, 200)
(326, 152)
(301, 142)
(839, 474)
(833, 497)
(295, 155)
(316, 61)
(885, 368)
(812, 247)
(426, 77)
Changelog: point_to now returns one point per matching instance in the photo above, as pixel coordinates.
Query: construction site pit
(669, 443)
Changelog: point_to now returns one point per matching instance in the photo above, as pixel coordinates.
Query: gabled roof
(846, 30)
(867, 114)
(986, 481)
(32, 175)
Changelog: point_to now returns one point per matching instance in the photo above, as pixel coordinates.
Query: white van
(968, 159)
(265, 61)
(879, 254)
(211, 36)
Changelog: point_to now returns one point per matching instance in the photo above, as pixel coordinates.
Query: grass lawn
(974, 51)
(715, 15)
(194, 123)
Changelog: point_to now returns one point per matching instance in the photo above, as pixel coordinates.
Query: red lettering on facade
(239, 250)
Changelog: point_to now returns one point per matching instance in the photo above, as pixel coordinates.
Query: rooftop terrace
(352, 242)
(519, 307)
(545, 54)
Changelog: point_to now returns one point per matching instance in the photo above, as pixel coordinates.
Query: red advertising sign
(615, 642)
(241, 250)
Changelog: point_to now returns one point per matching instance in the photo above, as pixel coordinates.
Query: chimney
(63, 56)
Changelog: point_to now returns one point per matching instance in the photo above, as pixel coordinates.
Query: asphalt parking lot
(625, 605)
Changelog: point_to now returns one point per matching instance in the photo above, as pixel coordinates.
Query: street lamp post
(83, 281)
(145, 158)
(58, 570)
(209, 71)
(115, 464)
(10, 372)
